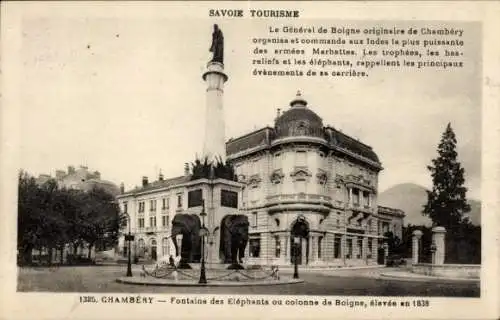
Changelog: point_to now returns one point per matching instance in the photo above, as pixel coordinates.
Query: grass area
(101, 279)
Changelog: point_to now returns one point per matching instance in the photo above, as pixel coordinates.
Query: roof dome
(299, 121)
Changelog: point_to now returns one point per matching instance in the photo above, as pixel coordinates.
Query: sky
(125, 96)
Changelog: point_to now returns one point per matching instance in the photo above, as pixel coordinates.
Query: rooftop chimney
(71, 169)
(144, 181)
(160, 176)
(122, 188)
(186, 169)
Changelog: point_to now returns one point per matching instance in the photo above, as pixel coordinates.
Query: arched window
(142, 247)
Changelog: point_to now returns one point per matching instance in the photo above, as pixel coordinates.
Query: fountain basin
(216, 275)
(191, 283)
(458, 271)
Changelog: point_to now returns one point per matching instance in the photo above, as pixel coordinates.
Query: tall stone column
(417, 234)
(438, 235)
(215, 143)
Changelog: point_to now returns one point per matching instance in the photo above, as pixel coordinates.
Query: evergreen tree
(446, 203)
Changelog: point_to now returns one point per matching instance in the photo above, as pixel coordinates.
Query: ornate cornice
(300, 172)
(242, 178)
(277, 176)
(254, 179)
(322, 176)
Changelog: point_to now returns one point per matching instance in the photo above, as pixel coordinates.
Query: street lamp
(296, 259)
(129, 238)
(203, 234)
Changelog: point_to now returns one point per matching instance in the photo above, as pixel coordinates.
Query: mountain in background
(411, 198)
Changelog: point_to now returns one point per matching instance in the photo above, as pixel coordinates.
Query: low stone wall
(464, 271)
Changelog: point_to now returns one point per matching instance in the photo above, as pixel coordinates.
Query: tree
(207, 169)
(100, 219)
(446, 203)
(28, 217)
(51, 218)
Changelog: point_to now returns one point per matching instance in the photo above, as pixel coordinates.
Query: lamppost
(129, 238)
(296, 259)
(203, 234)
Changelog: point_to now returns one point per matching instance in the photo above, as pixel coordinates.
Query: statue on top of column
(217, 47)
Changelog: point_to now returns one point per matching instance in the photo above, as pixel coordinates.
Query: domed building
(311, 184)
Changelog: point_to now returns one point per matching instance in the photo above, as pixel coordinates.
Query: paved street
(336, 282)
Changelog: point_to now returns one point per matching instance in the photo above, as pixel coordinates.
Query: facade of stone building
(299, 182)
(152, 207)
(306, 176)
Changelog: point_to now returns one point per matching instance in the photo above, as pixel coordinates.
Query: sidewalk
(406, 275)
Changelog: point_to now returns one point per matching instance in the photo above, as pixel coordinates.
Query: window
(229, 199)
(301, 158)
(164, 221)
(140, 223)
(254, 219)
(277, 246)
(152, 222)
(164, 246)
(141, 206)
(142, 247)
(337, 242)
(355, 195)
(195, 198)
(164, 203)
(179, 201)
(366, 198)
(360, 247)
(152, 205)
(254, 247)
(125, 207)
(349, 248)
(320, 240)
(370, 247)
(254, 166)
(277, 160)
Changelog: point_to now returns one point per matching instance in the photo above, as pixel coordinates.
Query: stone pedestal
(438, 235)
(415, 248)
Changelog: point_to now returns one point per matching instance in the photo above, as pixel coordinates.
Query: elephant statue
(233, 239)
(189, 226)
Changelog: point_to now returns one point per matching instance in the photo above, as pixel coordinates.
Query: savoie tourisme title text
(253, 13)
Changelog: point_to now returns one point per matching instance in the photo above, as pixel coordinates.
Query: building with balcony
(302, 175)
(298, 182)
